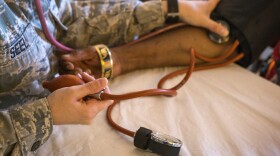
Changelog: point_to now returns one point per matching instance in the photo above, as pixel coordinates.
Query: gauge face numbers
(166, 139)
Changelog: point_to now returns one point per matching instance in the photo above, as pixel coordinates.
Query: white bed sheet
(224, 111)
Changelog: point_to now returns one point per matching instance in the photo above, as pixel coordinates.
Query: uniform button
(36, 145)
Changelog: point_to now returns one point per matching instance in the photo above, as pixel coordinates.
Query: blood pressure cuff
(255, 23)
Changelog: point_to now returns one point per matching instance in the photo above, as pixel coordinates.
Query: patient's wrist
(126, 60)
(116, 62)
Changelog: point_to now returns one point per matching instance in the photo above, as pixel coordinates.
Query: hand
(67, 104)
(84, 60)
(87, 60)
(197, 13)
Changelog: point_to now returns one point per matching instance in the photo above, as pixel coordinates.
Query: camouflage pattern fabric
(29, 126)
(110, 22)
(26, 58)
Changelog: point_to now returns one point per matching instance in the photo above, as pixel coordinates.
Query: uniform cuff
(32, 123)
(146, 17)
(150, 11)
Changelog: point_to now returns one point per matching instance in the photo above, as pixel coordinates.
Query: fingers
(215, 27)
(68, 65)
(73, 56)
(76, 67)
(91, 104)
(86, 77)
(79, 55)
(107, 90)
(90, 88)
(212, 25)
(92, 108)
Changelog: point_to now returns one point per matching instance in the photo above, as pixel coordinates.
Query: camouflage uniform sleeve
(94, 22)
(24, 128)
(146, 17)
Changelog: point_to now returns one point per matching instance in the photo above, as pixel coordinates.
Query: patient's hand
(83, 60)
(86, 60)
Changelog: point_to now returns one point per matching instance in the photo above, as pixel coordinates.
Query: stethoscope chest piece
(217, 38)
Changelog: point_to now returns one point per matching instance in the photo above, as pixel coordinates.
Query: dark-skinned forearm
(168, 49)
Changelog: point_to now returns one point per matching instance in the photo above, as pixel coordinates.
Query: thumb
(215, 27)
(213, 4)
(90, 87)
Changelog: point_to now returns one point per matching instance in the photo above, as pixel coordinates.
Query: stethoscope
(144, 138)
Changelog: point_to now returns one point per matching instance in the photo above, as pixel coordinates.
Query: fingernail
(104, 79)
(224, 31)
(88, 71)
(78, 70)
(79, 75)
(69, 66)
(107, 89)
(66, 55)
(85, 73)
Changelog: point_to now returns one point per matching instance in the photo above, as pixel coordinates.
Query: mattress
(218, 112)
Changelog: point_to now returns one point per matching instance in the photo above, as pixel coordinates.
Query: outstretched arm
(168, 49)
